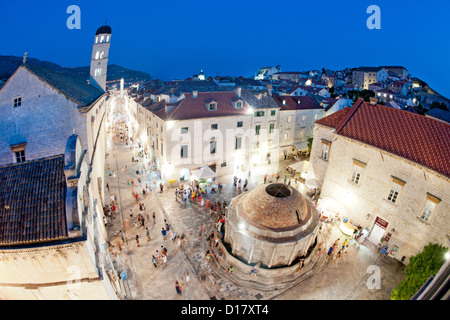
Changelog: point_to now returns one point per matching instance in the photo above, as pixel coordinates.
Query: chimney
(238, 91)
(194, 94)
(172, 91)
(269, 89)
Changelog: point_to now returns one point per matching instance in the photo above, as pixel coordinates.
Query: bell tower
(99, 59)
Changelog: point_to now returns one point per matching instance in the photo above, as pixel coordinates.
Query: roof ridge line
(349, 115)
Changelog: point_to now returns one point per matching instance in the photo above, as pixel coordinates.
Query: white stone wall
(46, 118)
(365, 201)
(52, 272)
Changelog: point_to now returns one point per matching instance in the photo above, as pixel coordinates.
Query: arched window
(107, 38)
(98, 72)
(102, 39)
(101, 55)
(96, 39)
(97, 55)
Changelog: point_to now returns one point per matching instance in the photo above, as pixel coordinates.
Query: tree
(421, 266)
(309, 142)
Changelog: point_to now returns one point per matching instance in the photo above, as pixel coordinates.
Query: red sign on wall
(388, 236)
(381, 223)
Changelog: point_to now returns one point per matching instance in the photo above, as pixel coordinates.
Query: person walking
(178, 288)
(154, 218)
(137, 240)
(107, 186)
(155, 261)
(164, 233)
(147, 232)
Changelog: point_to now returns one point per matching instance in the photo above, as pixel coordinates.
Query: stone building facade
(50, 115)
(387, 171)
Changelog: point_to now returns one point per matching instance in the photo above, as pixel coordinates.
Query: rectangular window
(184, 130)
(396, 187)
(17, 102)
(212, 107)
(20, 156)
(430, 206)
(162, 149)
(289, 119)
(257, 129)
(325, 150)
(286, 135)
(271, 127)
(357, 171)
(212, 147)
(259, 114)
(214, 126)
(238, 143)
(238, 104)
(240, 124)
(184, 151)
(273, 112)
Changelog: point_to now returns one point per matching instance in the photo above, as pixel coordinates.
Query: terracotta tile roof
(195, 107)
(32, 202)
(292, 102)
(75, 88)
(411, 136)
(333, 119)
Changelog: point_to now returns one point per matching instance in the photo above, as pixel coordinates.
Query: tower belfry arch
(100, 56)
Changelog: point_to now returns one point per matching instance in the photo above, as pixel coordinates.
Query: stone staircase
(266, 284)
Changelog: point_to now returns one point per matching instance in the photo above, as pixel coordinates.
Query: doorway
(378, 229)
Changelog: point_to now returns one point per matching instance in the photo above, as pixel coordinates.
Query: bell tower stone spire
(99, 59)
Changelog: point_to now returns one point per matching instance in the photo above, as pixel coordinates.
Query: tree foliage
(420, 268)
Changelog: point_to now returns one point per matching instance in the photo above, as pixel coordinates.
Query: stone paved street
(346, 279)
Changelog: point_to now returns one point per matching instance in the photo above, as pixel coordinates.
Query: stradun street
(143, 209)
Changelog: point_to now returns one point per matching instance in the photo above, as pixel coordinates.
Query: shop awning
(300, 166)
(204, 173)
(302, 145)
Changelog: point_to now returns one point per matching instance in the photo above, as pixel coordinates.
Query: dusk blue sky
(176, 39)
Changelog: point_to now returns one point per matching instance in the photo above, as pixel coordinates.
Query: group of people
(240, 184)
(336, 251)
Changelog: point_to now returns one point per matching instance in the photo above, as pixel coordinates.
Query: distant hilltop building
(267, 72)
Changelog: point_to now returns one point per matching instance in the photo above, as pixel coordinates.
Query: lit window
(17, 102)
(430, 206)
(357, 171)
(395, 190)
(325, 150)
